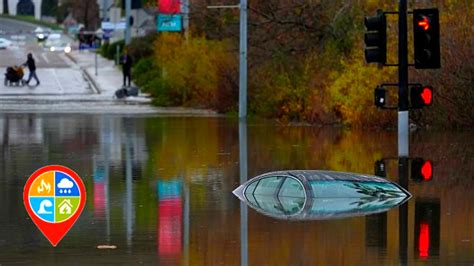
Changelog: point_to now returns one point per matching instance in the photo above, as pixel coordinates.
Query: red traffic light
(421, 96)
(421, 170)
(427, 95)
(426, 38)
(427, 171)
(424, 23)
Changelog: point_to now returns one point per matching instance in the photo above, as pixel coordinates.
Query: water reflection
(159, 188)
(427, 228)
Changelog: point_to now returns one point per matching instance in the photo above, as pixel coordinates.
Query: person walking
(126, 62)
(30, 62)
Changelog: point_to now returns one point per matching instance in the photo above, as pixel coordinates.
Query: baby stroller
(14, 75)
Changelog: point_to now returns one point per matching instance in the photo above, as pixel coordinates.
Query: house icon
(65, 207)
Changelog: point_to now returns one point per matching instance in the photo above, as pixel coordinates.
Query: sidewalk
(109, 76)
(76, 89)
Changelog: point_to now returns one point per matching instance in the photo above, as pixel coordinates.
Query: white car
(58, 46)
(4, 43)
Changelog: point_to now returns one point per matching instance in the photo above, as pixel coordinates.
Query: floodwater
(160, 190)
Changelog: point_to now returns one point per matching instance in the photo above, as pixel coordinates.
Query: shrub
(109, 50)
(142, 47)
(193, 70)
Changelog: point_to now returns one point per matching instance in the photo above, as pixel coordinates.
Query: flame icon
(44, 186)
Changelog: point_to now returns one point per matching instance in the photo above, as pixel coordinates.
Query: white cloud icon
(65, 183)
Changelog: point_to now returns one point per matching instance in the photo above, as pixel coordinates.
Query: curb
(86, 74)
(94, 85)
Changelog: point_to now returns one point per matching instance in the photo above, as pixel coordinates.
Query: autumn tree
(85, 12)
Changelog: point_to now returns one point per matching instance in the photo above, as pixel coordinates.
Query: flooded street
(160, 190)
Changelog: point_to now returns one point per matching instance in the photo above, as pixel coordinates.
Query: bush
(109, 50)
(103, 49)
(142, 47)
(193, 71)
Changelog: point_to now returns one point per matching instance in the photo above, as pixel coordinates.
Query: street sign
(107, 25)
(169, 23)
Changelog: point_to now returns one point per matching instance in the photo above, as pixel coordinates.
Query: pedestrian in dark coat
(30, 62)
(126, 62)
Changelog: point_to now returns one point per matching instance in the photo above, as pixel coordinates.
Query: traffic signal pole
(403, 104)
(403, 133)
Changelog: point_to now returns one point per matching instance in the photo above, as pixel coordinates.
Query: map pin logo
(54, 197)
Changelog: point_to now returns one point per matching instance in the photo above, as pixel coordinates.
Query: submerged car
(320, 195)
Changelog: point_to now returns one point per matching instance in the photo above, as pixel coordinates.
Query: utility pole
(243, 55)
(105, 5)
(403, 104)
(128, 13)
(243, 61)
(185, 10)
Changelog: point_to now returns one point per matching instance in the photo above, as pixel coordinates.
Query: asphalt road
(24, 42)
(10, 26)
(64, 86)
(58, 74)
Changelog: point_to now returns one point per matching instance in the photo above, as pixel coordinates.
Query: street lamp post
(128, 31)
(243, 56)
(243, 60)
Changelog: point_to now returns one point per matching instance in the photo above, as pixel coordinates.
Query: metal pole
(128, 11)
(243, 162)
(105, 4)
(185, 9)
(96, 63)
(403, 212)
(117, 55)
(243, 60)
(403, 104)
(128, 184)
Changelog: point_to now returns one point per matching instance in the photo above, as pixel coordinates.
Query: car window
(268, 185)
(250, 189)
(348, 189)
(269, 204)
(292, 205)
(292, 188)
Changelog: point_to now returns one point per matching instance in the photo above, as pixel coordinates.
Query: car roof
(323, 175)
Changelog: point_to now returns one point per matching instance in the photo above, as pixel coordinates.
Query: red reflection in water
(169, 226)
(424, 239)
(99, 199)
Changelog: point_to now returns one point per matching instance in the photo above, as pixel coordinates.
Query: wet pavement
(159, 189)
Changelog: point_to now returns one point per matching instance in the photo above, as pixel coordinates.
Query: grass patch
(32, 20)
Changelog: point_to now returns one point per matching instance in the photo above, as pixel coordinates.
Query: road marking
(45, 58)
(57, 81)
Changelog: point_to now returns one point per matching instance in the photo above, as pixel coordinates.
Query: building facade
(22, 7)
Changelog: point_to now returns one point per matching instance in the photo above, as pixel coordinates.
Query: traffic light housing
(376, 38)
(380, 168)
(380, 97)
(421, 96)
(421, 170)
(426, 38)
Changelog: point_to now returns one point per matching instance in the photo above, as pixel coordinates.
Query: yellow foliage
(351, 92)
(191, 68)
